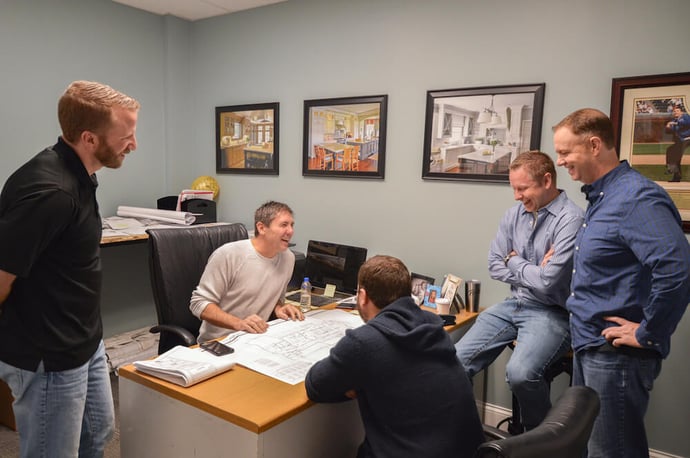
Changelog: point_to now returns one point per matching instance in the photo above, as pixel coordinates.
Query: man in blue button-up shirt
(532, 252)
(630, 286)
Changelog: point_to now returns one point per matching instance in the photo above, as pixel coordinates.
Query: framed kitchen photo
(345, 137)
(247, 139)
(650, 119)
(473, 134)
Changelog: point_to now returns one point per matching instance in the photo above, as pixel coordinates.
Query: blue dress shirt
(631, 260)
(531, 237)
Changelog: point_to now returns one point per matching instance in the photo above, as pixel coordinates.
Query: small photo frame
(247, 139)
(345, 137)
(474, 134)
(419, 284)
(432, 293)
(451, 284)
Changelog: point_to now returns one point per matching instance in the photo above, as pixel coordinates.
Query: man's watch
(507, 258)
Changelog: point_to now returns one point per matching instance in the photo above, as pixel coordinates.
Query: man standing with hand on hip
(630, 286)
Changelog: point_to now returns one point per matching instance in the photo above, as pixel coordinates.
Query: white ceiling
(193, 10)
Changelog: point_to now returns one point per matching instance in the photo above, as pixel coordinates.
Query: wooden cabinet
(234, 156)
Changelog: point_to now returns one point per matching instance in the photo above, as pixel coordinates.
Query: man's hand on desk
(253, 324)
(288, 312)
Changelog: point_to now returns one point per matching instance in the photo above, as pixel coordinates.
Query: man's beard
(107, 156)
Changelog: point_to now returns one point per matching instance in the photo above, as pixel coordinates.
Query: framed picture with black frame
(419, 284)
(645, 112)
(345, 137)
(247, 139)
(473, 134)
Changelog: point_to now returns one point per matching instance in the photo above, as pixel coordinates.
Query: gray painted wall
(307, 49)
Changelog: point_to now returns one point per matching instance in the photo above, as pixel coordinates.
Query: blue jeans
(623, 383)
(63, 414)
(543, 336)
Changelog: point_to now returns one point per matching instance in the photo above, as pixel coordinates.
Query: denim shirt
(631, 260)
(682, 126)
(556, 225)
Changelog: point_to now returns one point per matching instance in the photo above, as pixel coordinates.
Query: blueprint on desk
(289, 348)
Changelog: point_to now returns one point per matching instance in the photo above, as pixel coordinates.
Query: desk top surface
(123, 239)
(244, 397)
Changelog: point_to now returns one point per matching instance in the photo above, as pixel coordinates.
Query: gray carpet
(9, 440)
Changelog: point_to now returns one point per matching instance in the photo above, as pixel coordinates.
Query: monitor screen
(335, 264)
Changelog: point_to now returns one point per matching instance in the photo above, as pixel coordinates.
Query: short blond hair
(587, 122)
(87, 105)
(536, 164)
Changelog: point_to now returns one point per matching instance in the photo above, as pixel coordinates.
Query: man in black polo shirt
(52, 354)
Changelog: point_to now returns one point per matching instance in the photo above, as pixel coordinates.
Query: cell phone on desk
(217, 348)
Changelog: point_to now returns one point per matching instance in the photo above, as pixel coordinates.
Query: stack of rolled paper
(167, 216)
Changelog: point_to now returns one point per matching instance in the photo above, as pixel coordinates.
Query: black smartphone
(217, 348)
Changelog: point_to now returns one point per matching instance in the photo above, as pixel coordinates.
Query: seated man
(414, 397)
(532, 252)
(245, 281)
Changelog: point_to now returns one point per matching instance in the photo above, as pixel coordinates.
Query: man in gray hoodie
(414, 396)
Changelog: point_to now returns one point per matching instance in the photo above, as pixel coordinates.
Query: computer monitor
(333, 263)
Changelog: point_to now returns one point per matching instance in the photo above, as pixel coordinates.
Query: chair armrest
(179, 331)
(563, 433)
(492, 433)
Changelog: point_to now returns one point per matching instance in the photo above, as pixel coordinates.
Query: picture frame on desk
(451, 284)
(345, 137)
(474, 134)
(419, 284)
(247, 139)
(433, 292)
(641, 108)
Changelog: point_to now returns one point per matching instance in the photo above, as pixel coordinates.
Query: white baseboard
(658, 454)
(492, 414)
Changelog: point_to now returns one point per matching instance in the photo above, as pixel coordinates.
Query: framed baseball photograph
(652, 127)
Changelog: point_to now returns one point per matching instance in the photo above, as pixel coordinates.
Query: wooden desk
(240, 413)
(123, 239)
(139, 238)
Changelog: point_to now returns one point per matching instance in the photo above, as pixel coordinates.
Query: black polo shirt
(50, 232)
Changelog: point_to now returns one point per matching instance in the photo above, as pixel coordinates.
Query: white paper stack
(186, 366)
(187, 194)
(168, 216)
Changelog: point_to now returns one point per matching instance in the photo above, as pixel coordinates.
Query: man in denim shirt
(532, 252)
(630, 286)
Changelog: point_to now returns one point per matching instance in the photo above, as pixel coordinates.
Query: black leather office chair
(177, 258)
(563, 433)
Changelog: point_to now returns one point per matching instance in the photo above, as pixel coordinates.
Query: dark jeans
(623, 380)
(674, 155)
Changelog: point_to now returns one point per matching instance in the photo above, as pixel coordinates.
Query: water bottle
(305, 296)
